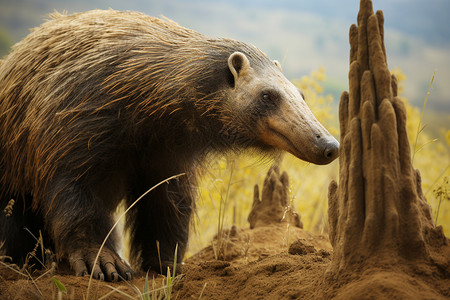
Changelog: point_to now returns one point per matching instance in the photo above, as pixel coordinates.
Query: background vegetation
(308, 182)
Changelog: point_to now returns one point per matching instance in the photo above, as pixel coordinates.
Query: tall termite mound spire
(377, 214)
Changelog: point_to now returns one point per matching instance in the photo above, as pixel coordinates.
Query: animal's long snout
(309, 141)
(295, 129)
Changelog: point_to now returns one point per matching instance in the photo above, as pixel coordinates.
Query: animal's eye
(266, 97)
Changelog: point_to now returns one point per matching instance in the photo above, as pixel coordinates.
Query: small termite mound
(274, 205)
(378, 216)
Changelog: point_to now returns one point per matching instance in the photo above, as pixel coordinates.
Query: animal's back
(69, 99)
(54, 75)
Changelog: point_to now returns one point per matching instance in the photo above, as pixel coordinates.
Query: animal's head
(270, 111)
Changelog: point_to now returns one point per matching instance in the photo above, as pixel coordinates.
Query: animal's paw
(109, 265)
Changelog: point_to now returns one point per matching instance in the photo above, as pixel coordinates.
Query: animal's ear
(277, 63)
(238, 64)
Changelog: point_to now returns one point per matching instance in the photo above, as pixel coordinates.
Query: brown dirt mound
(268, 269)
(383, 236)
(274, 206)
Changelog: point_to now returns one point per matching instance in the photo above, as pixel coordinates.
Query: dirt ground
(259, 265)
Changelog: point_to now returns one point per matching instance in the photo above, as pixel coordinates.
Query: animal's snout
(331, 148)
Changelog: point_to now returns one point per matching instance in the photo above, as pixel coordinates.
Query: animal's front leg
(159, 223)
(78, 222)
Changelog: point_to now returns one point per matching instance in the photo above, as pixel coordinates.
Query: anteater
(98, 107)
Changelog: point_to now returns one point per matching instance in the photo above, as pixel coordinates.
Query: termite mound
(381, 226)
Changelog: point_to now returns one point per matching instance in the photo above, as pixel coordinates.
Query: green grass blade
(59, 285)
(146, 295)
(175, 261)
(169, 284)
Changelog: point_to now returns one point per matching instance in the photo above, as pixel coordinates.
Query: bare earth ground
(259, 266)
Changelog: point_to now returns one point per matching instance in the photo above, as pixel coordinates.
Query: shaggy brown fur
(100, 106)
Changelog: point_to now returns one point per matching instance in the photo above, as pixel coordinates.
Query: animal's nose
(331, 151)
(330, 146)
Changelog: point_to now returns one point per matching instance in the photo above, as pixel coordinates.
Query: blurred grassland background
(310, 39)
